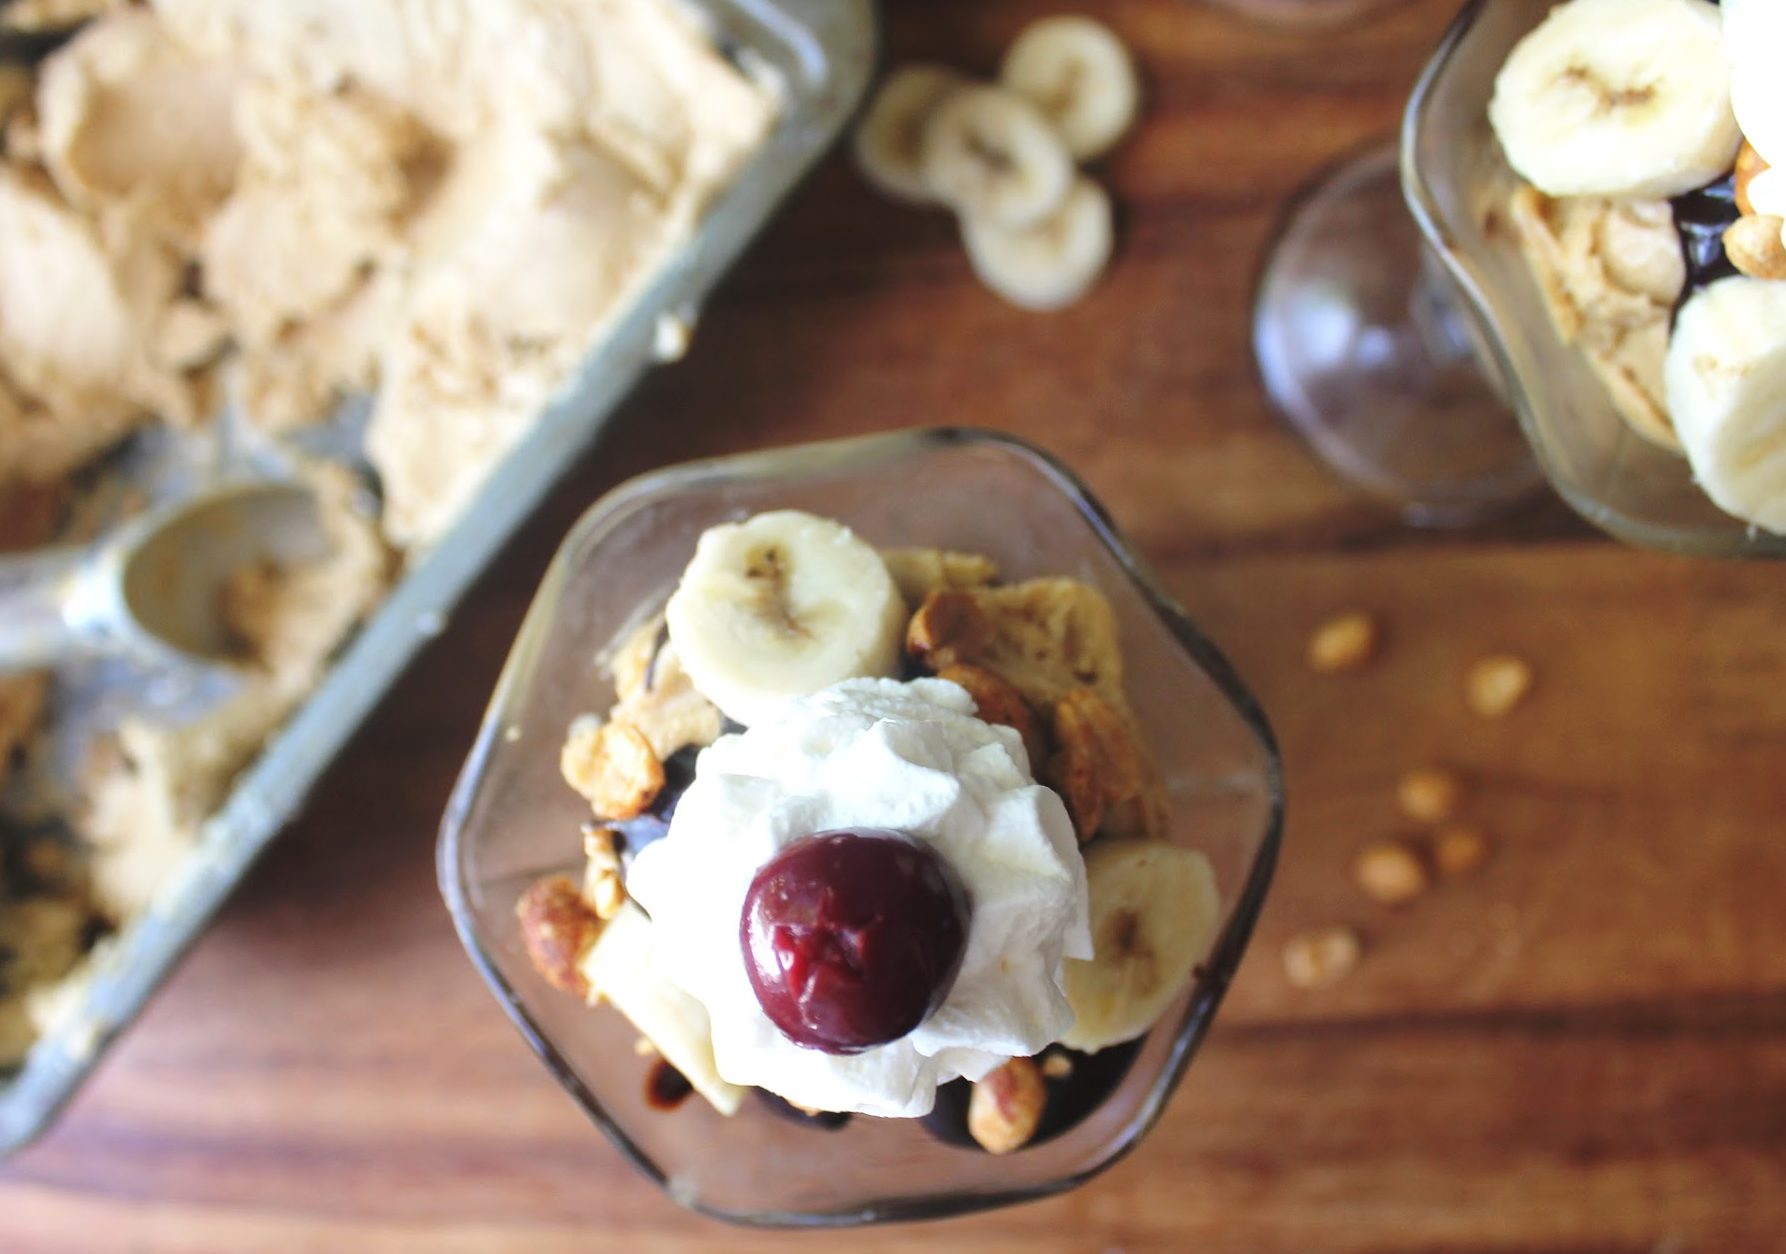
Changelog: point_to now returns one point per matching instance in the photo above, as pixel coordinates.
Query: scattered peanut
(613, 766)
(950, 628)
(1005, 1108)
(557, 928)
(1056, 1066)
(1321, 956)
(1430, 794)
(1459, 849)
(1342, 644)
(1391, 872)
(1496, 684)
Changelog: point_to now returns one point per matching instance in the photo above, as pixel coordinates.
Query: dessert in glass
(1572, 171)
(908, 832)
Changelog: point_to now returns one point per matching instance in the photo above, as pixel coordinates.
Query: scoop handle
(38, 623)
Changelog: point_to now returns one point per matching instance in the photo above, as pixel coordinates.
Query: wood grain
(1581, 1049)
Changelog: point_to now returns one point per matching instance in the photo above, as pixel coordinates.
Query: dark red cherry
(853, 938)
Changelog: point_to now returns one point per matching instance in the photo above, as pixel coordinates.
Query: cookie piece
(919, 572)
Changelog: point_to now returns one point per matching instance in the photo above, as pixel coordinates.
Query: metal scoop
(154, 587)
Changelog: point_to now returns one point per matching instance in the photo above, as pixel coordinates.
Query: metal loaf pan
(819, 55)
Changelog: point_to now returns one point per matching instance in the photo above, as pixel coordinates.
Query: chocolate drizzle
(1700, 219)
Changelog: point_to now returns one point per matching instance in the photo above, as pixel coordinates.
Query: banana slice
(1726, 379)
(622, 968)
(1082, 78)
(782, 605)
(1754, 32)
(1621, 98)
(990, 154)
(1153, 913)
(1051, 264)
(889, 143)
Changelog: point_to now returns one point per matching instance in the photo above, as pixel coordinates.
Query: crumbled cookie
(1050, 636)
(604, 890)
(663, 703)
(1098, 766)
(630, 666)
(613, 766)
(1005, 1108)
(919, 572)
(998, 701)
(948, 629)
(558, 928)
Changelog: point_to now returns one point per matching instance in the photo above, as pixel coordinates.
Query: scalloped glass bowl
(511, 818)
(1455, 179)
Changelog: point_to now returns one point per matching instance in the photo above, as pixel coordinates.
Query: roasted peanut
(1495, 685)
(1343, 644)
(949, 629)
(1430, 794)
(1391, 872)
(1459, 849)
(1321, 956)
(1005, 1108)
(558, 928)
(613, 766)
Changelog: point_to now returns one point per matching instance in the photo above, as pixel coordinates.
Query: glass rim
(1469, 282)
(1213, 975)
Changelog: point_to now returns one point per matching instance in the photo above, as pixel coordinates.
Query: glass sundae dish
(909, 851)
(1588, 305)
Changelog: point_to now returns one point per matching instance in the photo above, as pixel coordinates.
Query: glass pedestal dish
(512, 819)
(1461, 293)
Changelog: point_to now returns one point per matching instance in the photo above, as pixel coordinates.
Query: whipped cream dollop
(875, 753)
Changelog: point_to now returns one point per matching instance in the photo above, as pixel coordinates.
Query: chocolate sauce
(826, 1120)
(665, 1087)
(1071, 1098)
(654, 823)
(1700, 218)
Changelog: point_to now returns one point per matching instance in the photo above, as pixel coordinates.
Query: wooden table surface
(1582, 1049)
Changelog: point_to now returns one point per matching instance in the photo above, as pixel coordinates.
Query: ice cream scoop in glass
(154, 587)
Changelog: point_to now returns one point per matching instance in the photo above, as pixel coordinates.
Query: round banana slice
(1051, 264)
(888, 145)
(1726, 380)
(1621, 98)
(1154, 911)
(990, 154)
(1082, 78)
(782, 605)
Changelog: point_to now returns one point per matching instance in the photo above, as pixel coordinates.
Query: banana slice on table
(1051, 264)
(622, 968)
(782, 605)
(1726, 379)
(889, 144)
(1154, 910)
(1622, 98)
(1082, 78)
(990, 153)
